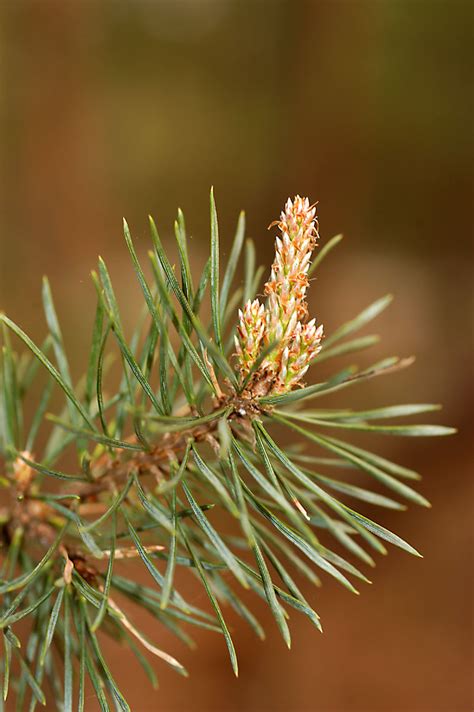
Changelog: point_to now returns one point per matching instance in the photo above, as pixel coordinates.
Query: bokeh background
(128, 108)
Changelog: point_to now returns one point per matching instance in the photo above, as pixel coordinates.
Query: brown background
(125, 108)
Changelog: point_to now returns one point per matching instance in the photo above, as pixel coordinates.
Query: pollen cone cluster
(280, 329)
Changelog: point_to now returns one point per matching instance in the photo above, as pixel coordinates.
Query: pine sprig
(191, 428)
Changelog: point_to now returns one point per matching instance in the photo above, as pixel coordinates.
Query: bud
(22, 472)
(250, 334)
(282, 321)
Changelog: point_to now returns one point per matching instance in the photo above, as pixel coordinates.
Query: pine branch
(190, 428)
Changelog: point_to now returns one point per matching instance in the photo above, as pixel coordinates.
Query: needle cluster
(155, 471)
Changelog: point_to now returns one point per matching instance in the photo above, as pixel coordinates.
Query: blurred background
(128, 108)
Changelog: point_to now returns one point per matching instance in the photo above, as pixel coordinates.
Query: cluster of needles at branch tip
(179, 468)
